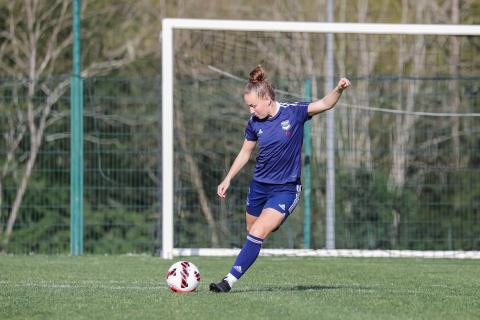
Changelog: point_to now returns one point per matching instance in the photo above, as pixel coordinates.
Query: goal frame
(166, 39)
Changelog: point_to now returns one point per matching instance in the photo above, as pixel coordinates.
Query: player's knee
(258, 230)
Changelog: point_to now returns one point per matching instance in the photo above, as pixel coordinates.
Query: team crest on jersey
(285, 125)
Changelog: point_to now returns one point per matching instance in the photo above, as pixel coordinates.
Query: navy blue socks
(246, 257)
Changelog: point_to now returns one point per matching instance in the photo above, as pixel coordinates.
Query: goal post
(167, 39)
(167, 138)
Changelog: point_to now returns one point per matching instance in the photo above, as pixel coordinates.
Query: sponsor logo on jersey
(260, 132)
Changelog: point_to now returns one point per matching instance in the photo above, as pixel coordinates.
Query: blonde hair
(259, 84)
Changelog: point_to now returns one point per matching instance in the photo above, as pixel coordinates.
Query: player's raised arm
(330, 100)
(240, 161)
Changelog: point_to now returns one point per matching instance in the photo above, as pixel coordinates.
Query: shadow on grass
(297, 288)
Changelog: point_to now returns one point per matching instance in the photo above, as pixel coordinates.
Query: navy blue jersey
(280, 140)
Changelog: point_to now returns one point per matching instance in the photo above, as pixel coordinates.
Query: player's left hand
(343, 84)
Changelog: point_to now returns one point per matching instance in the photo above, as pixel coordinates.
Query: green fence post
(76, 141)
(307, 172)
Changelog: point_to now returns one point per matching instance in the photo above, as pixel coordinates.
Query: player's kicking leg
(224, 285)
(263, 226)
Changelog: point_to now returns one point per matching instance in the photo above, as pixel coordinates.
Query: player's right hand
(222, 188)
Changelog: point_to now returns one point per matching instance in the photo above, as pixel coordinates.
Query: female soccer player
(275, 188)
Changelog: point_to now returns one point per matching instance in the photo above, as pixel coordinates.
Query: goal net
(406, 139)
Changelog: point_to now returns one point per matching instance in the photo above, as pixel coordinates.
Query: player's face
(261, 107)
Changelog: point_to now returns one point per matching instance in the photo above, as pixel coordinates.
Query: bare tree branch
(33, 44)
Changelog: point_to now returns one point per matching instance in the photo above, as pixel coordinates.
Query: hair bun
(257, 75)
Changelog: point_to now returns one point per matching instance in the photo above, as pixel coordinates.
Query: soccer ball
(183, 276)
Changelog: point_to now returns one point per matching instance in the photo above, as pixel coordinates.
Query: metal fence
(435, 206)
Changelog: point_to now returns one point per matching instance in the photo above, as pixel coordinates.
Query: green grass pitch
(133, 287)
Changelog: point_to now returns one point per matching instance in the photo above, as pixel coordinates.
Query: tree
(36, 38)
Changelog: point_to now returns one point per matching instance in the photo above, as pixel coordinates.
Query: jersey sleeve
(301, 111)
(250, 133)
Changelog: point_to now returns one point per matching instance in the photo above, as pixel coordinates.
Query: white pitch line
(78, 286)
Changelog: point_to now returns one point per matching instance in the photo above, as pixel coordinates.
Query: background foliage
(403, 182)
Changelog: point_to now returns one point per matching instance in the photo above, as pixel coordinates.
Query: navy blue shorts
(281, 197)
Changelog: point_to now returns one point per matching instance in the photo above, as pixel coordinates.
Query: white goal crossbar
(166, 39)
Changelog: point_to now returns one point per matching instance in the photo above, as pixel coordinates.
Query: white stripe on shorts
(297, 197)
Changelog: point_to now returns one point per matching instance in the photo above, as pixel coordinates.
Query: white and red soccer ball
(183, 276)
